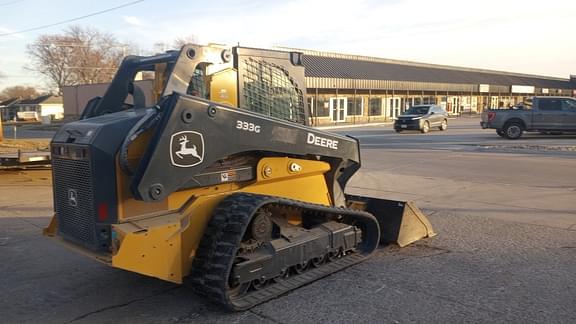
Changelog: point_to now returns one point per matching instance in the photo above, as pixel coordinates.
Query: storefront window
(355, 106)
(375, 106)
(322, 107)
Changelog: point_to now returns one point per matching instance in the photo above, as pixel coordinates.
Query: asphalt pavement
(466, 169)
(506, 249)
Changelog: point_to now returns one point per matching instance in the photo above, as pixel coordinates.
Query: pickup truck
(540, 114)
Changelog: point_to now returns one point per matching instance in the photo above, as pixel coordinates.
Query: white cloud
(4, 30)
(135, 21)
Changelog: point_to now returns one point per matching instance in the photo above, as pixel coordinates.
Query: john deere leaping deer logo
(186, 149)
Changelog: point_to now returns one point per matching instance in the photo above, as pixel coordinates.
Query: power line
(71, 20)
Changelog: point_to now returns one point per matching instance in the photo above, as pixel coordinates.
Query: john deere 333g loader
(220, 182)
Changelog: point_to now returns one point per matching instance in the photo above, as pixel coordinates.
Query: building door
(393, 107)
(454, 105)
(338, 109)
(474, 104)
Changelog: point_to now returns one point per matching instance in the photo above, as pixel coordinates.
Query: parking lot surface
(506, 249)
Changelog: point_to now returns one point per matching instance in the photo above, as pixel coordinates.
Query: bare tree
(159, 47)
(181, 41)
(78, 56)
(21, 92)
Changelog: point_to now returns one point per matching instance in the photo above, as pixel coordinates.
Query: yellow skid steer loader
(220, 181)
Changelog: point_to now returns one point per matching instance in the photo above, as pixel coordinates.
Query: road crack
(453, 300)
(107, 308)
(23, 219)
(266, 317)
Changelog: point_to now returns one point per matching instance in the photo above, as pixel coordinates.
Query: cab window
(198, 82)
(550, 104)
(569, 105)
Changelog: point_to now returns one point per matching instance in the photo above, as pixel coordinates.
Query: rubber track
(216, 253)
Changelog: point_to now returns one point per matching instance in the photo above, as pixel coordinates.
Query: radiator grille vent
(74, 200)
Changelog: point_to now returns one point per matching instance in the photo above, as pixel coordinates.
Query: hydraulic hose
(149, 120)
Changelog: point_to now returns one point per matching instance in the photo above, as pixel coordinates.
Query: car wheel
(500, 133)
(513, 131)
(398, 130)
(444, 125)
(425, 127)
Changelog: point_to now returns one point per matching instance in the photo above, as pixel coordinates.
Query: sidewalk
(347, 125)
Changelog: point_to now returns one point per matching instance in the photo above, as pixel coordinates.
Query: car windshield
(423, 110)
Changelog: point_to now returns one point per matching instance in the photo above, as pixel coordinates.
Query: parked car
(547, 115)
(422, 118)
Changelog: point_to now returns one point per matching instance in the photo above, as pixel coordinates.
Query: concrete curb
(352, 125)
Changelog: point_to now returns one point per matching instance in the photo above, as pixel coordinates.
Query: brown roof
(8, 102)
(46, 99)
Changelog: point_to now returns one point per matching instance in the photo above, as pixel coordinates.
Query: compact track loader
(219, 183)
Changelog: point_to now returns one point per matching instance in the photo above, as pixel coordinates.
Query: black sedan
(422, 118)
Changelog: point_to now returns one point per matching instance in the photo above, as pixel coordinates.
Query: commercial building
(357, 89)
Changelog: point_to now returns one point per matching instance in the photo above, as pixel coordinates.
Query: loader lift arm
(217, 124)
(123, 83)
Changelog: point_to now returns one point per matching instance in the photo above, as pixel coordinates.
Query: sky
(523, 36)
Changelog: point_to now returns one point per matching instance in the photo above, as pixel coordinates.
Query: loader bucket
(400, 222)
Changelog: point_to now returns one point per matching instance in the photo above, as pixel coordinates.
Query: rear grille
(74, 200)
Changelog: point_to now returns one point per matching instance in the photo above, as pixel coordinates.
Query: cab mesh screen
(269, 90)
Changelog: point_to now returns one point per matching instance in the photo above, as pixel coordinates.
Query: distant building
(36, 109)
(357, 89)
(5, 111)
